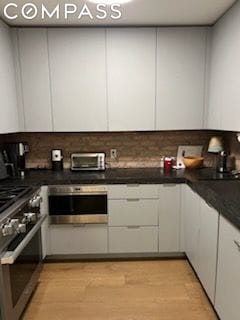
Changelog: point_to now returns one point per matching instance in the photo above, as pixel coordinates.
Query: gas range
(20, 247)
(19, 207)
(10, 194)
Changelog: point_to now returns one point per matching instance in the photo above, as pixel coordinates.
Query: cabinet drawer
(133, 240)
(74, 239)
(133, 212)
(133, 191)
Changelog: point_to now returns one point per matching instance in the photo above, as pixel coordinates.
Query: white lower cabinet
(133, 212)
(207, 249)
(133, 239)
(191, 225)
(169, 218)
(228, 272)
(76, 239)
(201, 238)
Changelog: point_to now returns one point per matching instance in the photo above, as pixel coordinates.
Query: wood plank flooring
(132, 290)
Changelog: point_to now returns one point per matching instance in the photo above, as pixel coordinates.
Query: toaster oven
(87, 161)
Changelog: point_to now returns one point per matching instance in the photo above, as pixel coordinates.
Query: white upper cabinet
(34, 71)
(8, 105)
(224, 93)
(131, 78)
(181, 59)
(78, 76)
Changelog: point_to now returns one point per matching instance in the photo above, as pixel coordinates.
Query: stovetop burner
(10, 194)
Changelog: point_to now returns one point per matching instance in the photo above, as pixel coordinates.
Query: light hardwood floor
(132, 290)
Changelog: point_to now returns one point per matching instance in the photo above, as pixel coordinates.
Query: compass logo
(30, 11)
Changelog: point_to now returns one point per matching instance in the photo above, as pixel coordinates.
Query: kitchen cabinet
(228, 276)
(181, 64)
(133, 212)
(35, 79)
(201, 238)
(133, 218)
(208, 246)
(224, 82)
(131, 64)
(133, 239)
(169, 218)
(191, 219)
(78, 79)
(78, 239)
(8, 106)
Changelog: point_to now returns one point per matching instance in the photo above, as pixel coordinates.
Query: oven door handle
(10, 256)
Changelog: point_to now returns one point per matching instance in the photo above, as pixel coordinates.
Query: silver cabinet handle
(237, 244)
(133, 200)
(133, 185)
(133, 227)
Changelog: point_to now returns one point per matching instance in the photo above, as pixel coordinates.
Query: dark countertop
(114, 176)
(221, 191)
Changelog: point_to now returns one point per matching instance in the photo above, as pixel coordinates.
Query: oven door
(20, 267)
(78, 208)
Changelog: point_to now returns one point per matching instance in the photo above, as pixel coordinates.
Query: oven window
(78, 205)
(90, 162)
(24, 267)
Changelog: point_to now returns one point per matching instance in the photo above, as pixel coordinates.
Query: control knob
(29, 217)
(35, 202)
(21, 228)
(9, 227)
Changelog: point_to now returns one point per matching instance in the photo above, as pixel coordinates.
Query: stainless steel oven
(78, 205)
(20, 254)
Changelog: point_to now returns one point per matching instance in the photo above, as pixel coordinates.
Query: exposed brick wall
(136, 149)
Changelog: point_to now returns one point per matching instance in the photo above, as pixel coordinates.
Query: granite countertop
(221, 191)
(113, 176)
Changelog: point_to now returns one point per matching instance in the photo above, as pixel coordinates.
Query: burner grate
(10, 194)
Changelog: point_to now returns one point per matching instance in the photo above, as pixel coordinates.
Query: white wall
(8, 98)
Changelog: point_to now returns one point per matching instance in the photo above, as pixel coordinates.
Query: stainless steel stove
(10, 194)
(20, 247)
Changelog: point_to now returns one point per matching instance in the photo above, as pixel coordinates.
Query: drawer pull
(133, 227)
(237, 244)
(79, 225)
(133, 200)
(132, 185)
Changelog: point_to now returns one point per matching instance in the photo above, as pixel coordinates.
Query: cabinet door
(34, 64)
(133, 191)
(133, 212)
(228, 275)
(74, 239)
(78, 75)
(191, 217)
(169, 218)
(131, 78)
(8, 105)
(133, 239)
(180, 78)
(208, 239)
(224, 92)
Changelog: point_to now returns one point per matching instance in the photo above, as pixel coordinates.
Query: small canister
(168, 163)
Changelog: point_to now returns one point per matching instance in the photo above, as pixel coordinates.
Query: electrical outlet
(113, 154)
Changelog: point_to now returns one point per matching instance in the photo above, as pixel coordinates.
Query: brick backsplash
(134, 149)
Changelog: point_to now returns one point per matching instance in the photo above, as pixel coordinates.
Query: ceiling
(134, 13)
